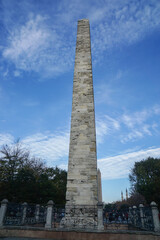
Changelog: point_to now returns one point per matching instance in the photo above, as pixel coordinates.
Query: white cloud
(105, 126)
(101, 130)
(63, 166)
(136, 118)
(50, 147)
(125, 23)
(146, 129)
(35, 46)
(53, 148)
(24, 43)
(113, 122)
(132, 136)
(6, 139)
(129, 126)
(119, 166)
(46, 44)
(140, 124)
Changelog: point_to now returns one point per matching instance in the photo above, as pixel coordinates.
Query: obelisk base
(80, 217)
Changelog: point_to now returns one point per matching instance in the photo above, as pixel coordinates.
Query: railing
(25, 214)
(77, 217)
(116, 216)
(14, 214)
(145, 218)
(57, 214)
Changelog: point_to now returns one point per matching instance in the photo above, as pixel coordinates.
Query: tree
(58, 177)
(145, 179)
(135, 199)
(26, 179)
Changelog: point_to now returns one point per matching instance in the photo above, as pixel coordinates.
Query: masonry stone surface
(82, 167)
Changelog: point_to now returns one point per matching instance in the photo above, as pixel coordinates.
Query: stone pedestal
(37, 212)
(134, 215)
(80, 216)
(48, 224)
(141, 214)
(3, 210)
(24, 212)
(100, 216)
(155, 215)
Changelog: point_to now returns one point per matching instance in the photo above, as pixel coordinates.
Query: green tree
(145, 179)
(26, 178)
(58, 177)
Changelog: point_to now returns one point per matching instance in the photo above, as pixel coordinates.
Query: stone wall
(78, 235)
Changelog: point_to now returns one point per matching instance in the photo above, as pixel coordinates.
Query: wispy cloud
(140, 124)
(136, 118)
(45, 43)
(54, 149)
(37, 47)
(50, 147)
(6, 139)
(125, 23)
(101, 130)
(119, 166)
(129, 126)
(105, 126)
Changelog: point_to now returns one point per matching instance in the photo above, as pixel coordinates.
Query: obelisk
(99, 186)
(82, 189)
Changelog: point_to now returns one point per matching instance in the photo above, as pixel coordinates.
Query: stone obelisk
(82, 187)
(99, 186)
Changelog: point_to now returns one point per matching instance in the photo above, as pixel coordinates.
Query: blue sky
(37, 49)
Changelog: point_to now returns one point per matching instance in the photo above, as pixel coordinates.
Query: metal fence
(58, 213)
(14, 214)
(25, 214)
(141, 217)
(79, 216)
(116, 216)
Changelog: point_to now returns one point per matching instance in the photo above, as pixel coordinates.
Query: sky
(37, 50)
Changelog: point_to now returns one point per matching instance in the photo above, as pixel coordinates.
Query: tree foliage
(26, 179)
(145, 179)
(135, 199)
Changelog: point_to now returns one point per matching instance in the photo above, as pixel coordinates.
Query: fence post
(100, 216)
(134, 215)
(130, 215)
(49, 214)
(155, 215)
(24, 213)
(141, 214)
(3, 210)
(37, 212)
